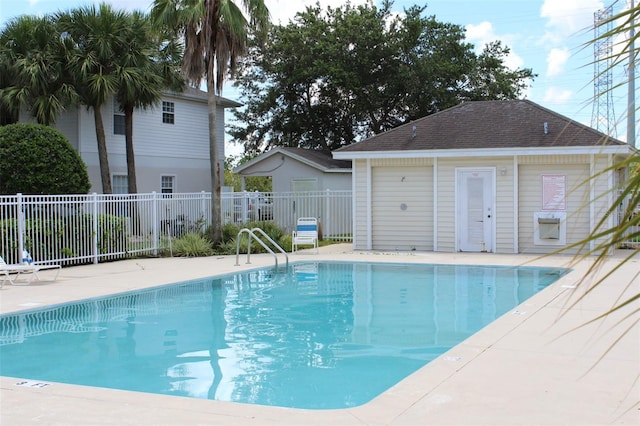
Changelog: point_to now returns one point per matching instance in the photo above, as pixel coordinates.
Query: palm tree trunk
(131, 160)
(132, 180)
(216, 205)
(105, 173)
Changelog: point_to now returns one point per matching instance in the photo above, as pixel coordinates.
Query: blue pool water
(316, 335)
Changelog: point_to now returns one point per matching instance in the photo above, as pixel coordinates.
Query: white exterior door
(475, 196)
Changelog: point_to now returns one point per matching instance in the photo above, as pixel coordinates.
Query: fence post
(96, 254)
(22, 226)
(327, 214)
(203, 210)
(154, 210)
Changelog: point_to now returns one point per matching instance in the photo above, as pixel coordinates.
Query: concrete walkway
(535, 365)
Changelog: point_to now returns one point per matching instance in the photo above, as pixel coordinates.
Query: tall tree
(33, 75)
(215, 35)
(333, 76)
(98, 38)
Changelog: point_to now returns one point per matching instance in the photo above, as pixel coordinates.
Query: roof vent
(413, 132)
(546, 128)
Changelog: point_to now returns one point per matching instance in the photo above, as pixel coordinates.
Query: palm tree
(97, 37)
(33, 75)
(142, 72)
(215, 36)
(626, 198)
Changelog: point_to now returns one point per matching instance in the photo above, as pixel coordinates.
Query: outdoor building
(485, 176)
(171, 142)
(299, 170)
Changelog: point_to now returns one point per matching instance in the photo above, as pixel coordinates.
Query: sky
(547, 36)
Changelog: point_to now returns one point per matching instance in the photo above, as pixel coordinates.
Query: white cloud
(483, 33)
(557, 96)
(568, 17)
(556, 60)
(282, 11)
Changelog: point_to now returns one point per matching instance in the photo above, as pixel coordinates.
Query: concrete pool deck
(532, 366)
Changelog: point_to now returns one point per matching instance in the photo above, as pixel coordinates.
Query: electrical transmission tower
(603, 117)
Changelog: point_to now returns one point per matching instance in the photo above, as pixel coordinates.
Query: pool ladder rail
(252, 234)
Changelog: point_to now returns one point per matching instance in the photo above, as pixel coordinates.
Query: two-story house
(171, 142)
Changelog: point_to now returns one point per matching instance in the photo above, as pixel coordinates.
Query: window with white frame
(304, 184)
(120, 184)
(168, 112)
(167, 184)
(118, 119)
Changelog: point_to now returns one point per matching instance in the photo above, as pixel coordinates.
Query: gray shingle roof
(201, 95)
(486, 124)
(322, 158)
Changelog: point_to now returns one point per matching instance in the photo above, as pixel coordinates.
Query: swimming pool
(318, 335)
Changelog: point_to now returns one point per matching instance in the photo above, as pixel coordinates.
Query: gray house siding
(161, 149)
(298, 169)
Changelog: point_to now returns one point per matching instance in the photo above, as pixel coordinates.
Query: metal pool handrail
(252, 234)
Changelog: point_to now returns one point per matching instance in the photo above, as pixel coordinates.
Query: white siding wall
(576, 170)
(391, 225)
(285, 169)
(504, 214)
(505, 206)
(602, 192)
(402, 208)
(446, 205)
(68, 125)
(180, 149)
(360, 208)
(337, 181)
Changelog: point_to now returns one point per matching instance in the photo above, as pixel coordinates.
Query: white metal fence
(72, 229)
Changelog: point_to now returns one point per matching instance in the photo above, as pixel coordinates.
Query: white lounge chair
(29, 270)
(306, 233)
(5, 275)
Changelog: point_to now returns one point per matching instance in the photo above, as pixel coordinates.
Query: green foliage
(230, 233)
(141, 77)
(112, 231)
(252, 183)
(332, 77)
(33, 70)
(86, 55)
(603, 239)
(37, 159)
(57, 240)
(192, 244)
(213, 54)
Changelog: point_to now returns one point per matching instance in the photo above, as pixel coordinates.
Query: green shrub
(56, 240)
(192, 245)
(38, 159)
(112, 232)
(230, 234)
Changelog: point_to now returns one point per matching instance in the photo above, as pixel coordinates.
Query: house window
(168, 112)
(120, 184)
(304, 184)
(118, 118)
(167, 184)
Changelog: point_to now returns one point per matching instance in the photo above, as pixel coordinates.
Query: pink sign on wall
(554, 192)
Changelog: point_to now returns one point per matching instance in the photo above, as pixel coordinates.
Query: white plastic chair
(306, 233)
(24, 269)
